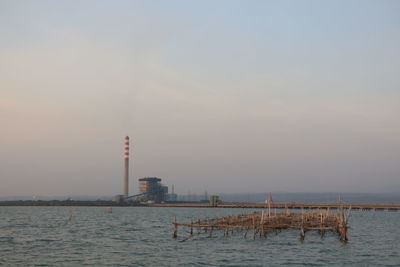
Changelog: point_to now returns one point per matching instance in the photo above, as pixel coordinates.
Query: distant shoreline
(61, 203)
(103, 203)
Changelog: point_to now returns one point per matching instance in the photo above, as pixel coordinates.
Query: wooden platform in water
(260, 224)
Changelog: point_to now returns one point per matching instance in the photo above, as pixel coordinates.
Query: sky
(224, 96)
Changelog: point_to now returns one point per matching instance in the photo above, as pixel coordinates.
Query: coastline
(106, 203)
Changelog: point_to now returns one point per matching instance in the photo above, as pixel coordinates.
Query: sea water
(137, 236)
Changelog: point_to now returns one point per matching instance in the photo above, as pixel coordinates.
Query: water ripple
(45, 236)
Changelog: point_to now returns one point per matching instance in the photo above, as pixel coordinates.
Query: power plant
(150, 188)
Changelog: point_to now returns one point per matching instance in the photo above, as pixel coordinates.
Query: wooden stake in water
(71, 214)
(175, 234)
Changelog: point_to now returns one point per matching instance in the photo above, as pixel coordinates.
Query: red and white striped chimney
(126, 160)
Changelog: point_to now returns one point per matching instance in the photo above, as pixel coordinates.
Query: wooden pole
(322, 231)
(302, 234)
(254, 226)
(269, 208)
(198, 227)
(175, 234)
(262, 224)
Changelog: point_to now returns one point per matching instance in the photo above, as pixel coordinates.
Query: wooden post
(175, 234)
(254, 226)
(269, 208)
(302, 234)
(198, 227)
(262, 224)
(322, 231)
(348, 215)
(71, 214)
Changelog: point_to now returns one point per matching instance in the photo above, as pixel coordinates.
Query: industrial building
(151, 189)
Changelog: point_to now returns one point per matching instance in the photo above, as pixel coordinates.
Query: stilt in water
(254, 227)
(175, 234)
(245, 234)
(302, 234)
(71, 214)
(198, 227)
(262, 224)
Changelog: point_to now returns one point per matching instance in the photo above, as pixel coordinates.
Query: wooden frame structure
(260, 224)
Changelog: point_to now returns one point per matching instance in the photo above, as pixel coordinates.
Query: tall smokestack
(126, 160)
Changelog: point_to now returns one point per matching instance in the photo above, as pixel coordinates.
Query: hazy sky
(224, 96)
